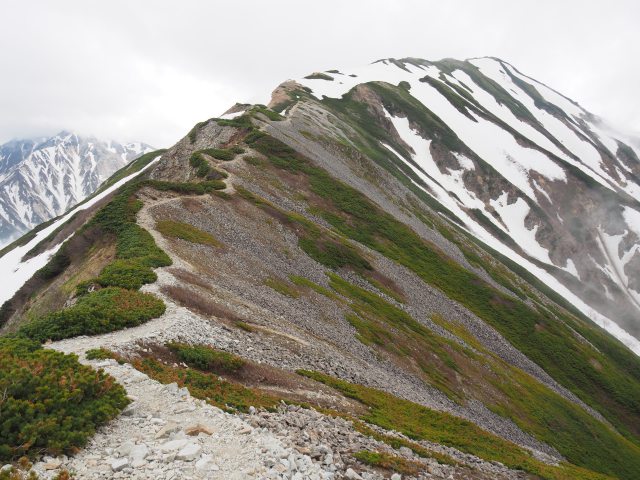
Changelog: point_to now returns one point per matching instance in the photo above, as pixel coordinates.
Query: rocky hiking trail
(166, 434)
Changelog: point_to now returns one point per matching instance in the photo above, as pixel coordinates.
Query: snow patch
(632, 217)
(229, 116)
(610, 246)
(513, 215)
(571, 268)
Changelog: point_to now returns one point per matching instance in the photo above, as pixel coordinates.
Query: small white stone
(169, 457)
(138, 463)
(166, 430)
(352, 475)
(124, 449)
(204, 463)
(173, 445)
(139, 452)
(52, 464)
(119, 464)
(189, 453)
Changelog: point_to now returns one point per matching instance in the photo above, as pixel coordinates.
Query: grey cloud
(149, 70)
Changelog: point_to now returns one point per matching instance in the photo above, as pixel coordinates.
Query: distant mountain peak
(42, 177)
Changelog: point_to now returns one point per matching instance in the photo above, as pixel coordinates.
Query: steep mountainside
(402, 271)
(42, 178)
(527, 171)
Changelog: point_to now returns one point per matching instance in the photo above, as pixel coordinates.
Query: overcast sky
(149, 69)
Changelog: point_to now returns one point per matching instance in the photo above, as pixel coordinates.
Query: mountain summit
(410, 270)
(42, 178)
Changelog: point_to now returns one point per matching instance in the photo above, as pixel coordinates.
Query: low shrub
(207, 358)
(224, 394)
(102, 311)
(305, 282)
(135, 243)
(332, 252)
(200, 163)
(50, 403)
(100, 354)
(388, 461)
(254, 161)
(244, 326)
(243, 121)
(282, 287)
(399, 442)
(224, 154)
(55, 265)
(118, 217)
(199, 188)
(23, 470)
(222, 195)
(184, 231)
(126, 273)
(216, 175)
(267, 112)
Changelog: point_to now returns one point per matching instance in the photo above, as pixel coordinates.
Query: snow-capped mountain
(42, 178)
(527, 171)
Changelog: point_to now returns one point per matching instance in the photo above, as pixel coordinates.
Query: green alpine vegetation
(305, 282)
(50, 402)
(184, 231)
(282, 287)
(202, 166)
(388, 461)
(228, 396)
(200, 163)
(101, 311)
(343, 254)
(97, 311)
(188, 188)
(206, 358)
(421, 423)
(509, 392)
(131, 274)
(100, 354)
(224, 154)
(118, 304)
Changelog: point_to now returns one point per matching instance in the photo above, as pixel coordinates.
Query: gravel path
(166, 434)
